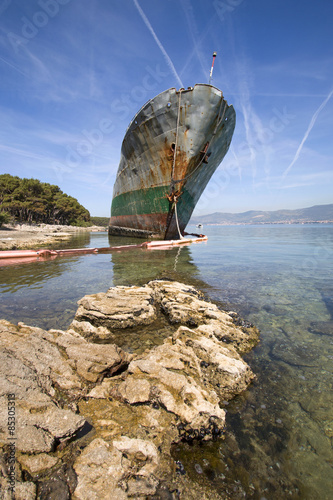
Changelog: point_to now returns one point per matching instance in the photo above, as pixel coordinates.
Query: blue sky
(74, 73)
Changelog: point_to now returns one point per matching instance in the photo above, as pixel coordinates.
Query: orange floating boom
(8, 257)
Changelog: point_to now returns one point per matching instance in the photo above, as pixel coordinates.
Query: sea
(279, 432)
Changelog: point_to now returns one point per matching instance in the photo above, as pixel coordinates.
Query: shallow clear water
(279, 432)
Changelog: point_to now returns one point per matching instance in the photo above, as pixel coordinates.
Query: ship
(170, 151)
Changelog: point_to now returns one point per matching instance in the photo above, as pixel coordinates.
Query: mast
(211, 69)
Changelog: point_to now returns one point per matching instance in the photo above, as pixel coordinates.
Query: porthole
(169, 105)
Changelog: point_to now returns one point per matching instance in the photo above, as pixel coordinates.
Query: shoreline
(98, 406)
(26, 236)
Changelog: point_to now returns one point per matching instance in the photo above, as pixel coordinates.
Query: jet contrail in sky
(306, 135)
(164, 52)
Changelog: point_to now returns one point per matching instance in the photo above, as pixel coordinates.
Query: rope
(173, 181)
(180, 235)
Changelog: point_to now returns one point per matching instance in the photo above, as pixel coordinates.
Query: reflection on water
(45, 293)
(281, 279)
(279, 438)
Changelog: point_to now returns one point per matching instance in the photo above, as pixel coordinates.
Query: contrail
(12, 66)
(187, 8)
(149, 26)
(306, 135)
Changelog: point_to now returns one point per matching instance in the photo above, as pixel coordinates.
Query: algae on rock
(138, 403)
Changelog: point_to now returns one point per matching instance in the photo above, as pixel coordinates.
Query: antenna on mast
(211, 69)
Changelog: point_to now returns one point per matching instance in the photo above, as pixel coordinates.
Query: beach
(21, 236)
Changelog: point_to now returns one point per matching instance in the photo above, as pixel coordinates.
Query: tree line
(32, 201)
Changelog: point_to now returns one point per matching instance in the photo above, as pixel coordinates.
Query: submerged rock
(139, 404)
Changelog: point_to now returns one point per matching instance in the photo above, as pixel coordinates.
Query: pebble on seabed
(198, 469)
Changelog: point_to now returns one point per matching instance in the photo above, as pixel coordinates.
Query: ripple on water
(279, 435)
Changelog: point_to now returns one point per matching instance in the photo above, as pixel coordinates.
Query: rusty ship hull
(171, 149)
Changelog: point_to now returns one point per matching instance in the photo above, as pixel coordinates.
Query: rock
(90, 331)
(222, 366)
(101, 391)
(59, 484)
(33, 369)
(183, 304)
(94, 361)
(135, 390)
(120, 307)
(132, 307)
(37, 463)
(168, 393)
(41, 421)
(22, 491)
(34, 348)
(139, 404)
(36, 235)
(195, 405)
(32, 439)
(178, 393)
(127, 467)
(25, 491)
(54, 489)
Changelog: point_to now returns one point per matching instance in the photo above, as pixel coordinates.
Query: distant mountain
(317, 213)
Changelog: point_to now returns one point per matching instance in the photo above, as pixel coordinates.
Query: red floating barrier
(8, 257)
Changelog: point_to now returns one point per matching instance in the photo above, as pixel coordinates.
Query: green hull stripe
(141, 201)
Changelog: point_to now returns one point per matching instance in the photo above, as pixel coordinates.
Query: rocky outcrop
(120, 307)
(138, 403)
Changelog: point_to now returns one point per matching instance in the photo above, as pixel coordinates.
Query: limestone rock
(222, 366)
(90, 331)
(31, 368)
(119, 307)
(132, 307)
(34, 348)
(135, 390)
(37, 463)
(94, 361)
(183, 304)
(194, 404)
(41, 421)
(139, 404)
(126, 467)
(25, 491)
